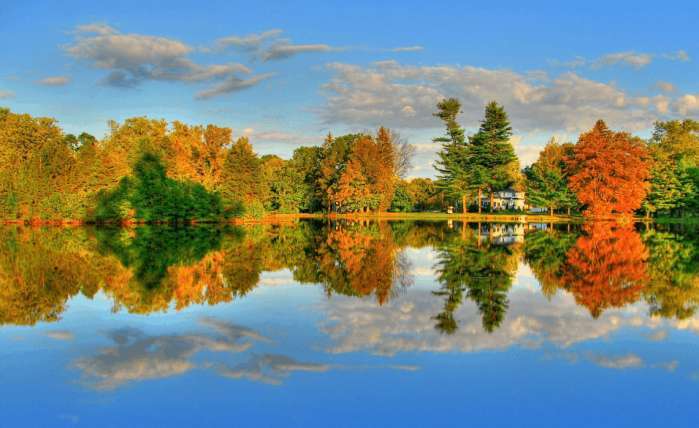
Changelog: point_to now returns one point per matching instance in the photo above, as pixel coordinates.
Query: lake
(339, 323)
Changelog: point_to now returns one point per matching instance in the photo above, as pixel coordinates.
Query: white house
(508, 199)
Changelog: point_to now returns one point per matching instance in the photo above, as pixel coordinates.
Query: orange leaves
(606, 267)
(367, 173)
(367, 261)
(609, 171)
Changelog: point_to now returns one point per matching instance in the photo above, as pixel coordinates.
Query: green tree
(306, 163)
(455, 173)
(241, 178)
(547, 181)
(674, 148)
(494, 163)
(402, 201)
(150, 196)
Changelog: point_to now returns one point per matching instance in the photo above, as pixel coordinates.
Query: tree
(150, 196)
(674, 148)
(670, 185)
(455, 175)
(287, 190)
(492, 157)
(351, 194)
(38, 179)
(547, 181)
(425, 194)
(306, 163)
(680, 139)
(402, 201)
(335, 156)
(608, 171)
(241, 178)
(358, 160)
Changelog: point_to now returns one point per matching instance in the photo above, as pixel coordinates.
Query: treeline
(604, 173)
(147, 170)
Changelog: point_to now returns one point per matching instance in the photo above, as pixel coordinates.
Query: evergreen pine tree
(492, 157)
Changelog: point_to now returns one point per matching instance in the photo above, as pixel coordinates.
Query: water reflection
(149, 269)
(256, 319)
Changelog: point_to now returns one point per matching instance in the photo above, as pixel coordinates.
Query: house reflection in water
(502, 233)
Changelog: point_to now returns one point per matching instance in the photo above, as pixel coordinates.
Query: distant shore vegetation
(148, 171)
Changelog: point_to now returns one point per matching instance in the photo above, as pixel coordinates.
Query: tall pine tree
(493, 163)
(452, 165)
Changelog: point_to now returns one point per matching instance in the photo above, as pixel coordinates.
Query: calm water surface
(350, 324)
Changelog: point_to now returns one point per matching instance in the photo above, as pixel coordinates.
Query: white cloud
(250, 42)
(630, 58)
(661, 104)
(4, 95)
(404, 96)
(233, 84)
(528, 153)
(680, 55)
(268, 46)
(665, 86)
(55, 81)
(285, 49)
(687, 104)
(132, 59)
(408, 49)
(284, 137)
(96, 28)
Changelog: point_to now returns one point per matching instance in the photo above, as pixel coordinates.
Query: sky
(287, 73)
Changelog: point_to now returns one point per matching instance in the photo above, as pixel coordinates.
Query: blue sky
(287, 73)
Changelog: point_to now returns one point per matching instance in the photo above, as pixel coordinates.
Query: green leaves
(150, 196)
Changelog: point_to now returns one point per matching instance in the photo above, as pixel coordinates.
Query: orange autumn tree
(360, 172)
(608, 171)
(606, 268)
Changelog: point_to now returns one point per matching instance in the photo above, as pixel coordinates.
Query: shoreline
(382, 216)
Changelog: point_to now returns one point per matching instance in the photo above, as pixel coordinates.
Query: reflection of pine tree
(490, 294)
(453, 289)
(484, 271)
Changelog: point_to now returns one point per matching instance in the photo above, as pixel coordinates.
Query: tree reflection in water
(157, 268)
(484, 269)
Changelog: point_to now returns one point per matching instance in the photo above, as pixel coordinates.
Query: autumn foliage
(606, 267)
(608, 171)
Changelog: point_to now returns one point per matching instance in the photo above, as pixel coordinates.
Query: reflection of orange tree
(606, 267)
(361, 260)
